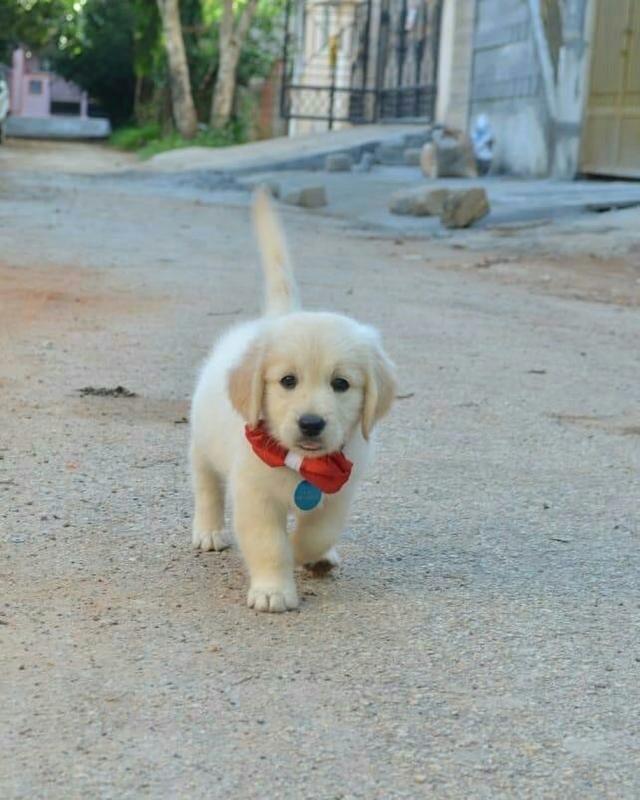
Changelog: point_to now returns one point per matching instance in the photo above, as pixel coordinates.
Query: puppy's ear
(379, 389)
(246, 384)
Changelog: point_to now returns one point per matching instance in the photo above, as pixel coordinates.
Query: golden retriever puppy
(282, 415)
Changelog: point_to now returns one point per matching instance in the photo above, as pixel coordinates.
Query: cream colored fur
(240, 383)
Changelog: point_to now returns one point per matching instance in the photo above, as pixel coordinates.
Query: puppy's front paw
(272, 599)
(211, 540)
(324, 565)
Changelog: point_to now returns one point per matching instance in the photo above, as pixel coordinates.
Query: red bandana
(328, 473)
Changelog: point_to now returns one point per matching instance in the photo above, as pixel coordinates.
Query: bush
(148, 140)
(134, 138)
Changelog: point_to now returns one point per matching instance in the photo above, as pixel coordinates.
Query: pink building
(36, 92)
(43, 105)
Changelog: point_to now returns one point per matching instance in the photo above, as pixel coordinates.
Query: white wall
(507, 85)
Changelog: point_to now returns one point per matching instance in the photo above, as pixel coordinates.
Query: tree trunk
(225, 88)
(232, 36)
(184, 112)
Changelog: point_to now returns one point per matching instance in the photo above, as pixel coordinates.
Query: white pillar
(455, 62)
(17, 81)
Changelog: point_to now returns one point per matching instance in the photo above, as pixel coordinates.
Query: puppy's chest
(291, 489)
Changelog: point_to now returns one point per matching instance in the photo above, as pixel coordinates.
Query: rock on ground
(423, 201)
(462, 208)
(306, 197)
(449, 155)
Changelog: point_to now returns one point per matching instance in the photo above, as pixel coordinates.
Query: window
(35, 87)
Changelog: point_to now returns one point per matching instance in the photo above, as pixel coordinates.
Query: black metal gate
(360, 61)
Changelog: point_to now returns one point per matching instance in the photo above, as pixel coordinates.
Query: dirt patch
(141, 411)
(589, 272)
(55, 297)
(103, 391)
(23, 155)
(623, 425)
(587, 277)
(582, 277)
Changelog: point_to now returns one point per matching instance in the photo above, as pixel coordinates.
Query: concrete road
(363, 198)
(482, 637)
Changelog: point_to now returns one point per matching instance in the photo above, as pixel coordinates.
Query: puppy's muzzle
(311, 425)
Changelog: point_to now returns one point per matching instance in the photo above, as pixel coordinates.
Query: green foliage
(30, 22)
(148, 140)
(264, 41)
(134, 138)
(114, 50)
(96, 51)
(148, 53)
(209, 138)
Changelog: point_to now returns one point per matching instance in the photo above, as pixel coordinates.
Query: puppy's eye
(339, 384)
(289, 382)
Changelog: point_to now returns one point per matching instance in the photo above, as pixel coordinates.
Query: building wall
(507, 85)
(36, 95)
(530, 75)
(33, 89)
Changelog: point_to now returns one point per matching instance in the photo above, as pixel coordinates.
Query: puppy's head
(314, 378)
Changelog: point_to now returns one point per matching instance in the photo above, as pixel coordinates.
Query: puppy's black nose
(311, 424)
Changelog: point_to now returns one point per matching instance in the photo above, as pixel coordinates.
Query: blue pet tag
(307, 496)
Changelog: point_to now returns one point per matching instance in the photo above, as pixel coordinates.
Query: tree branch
(242, 28)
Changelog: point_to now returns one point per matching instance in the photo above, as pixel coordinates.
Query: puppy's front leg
(261, 529)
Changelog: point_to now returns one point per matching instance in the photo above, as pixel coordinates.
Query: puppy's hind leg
(208, 492)
(317, 532)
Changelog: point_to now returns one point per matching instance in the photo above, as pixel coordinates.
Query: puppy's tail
(281, 292)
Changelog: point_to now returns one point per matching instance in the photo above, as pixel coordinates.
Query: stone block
(454, 157)
(423, 201)
(464, 207)
(306, 197)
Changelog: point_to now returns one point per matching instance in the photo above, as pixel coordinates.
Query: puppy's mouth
(310, 446)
